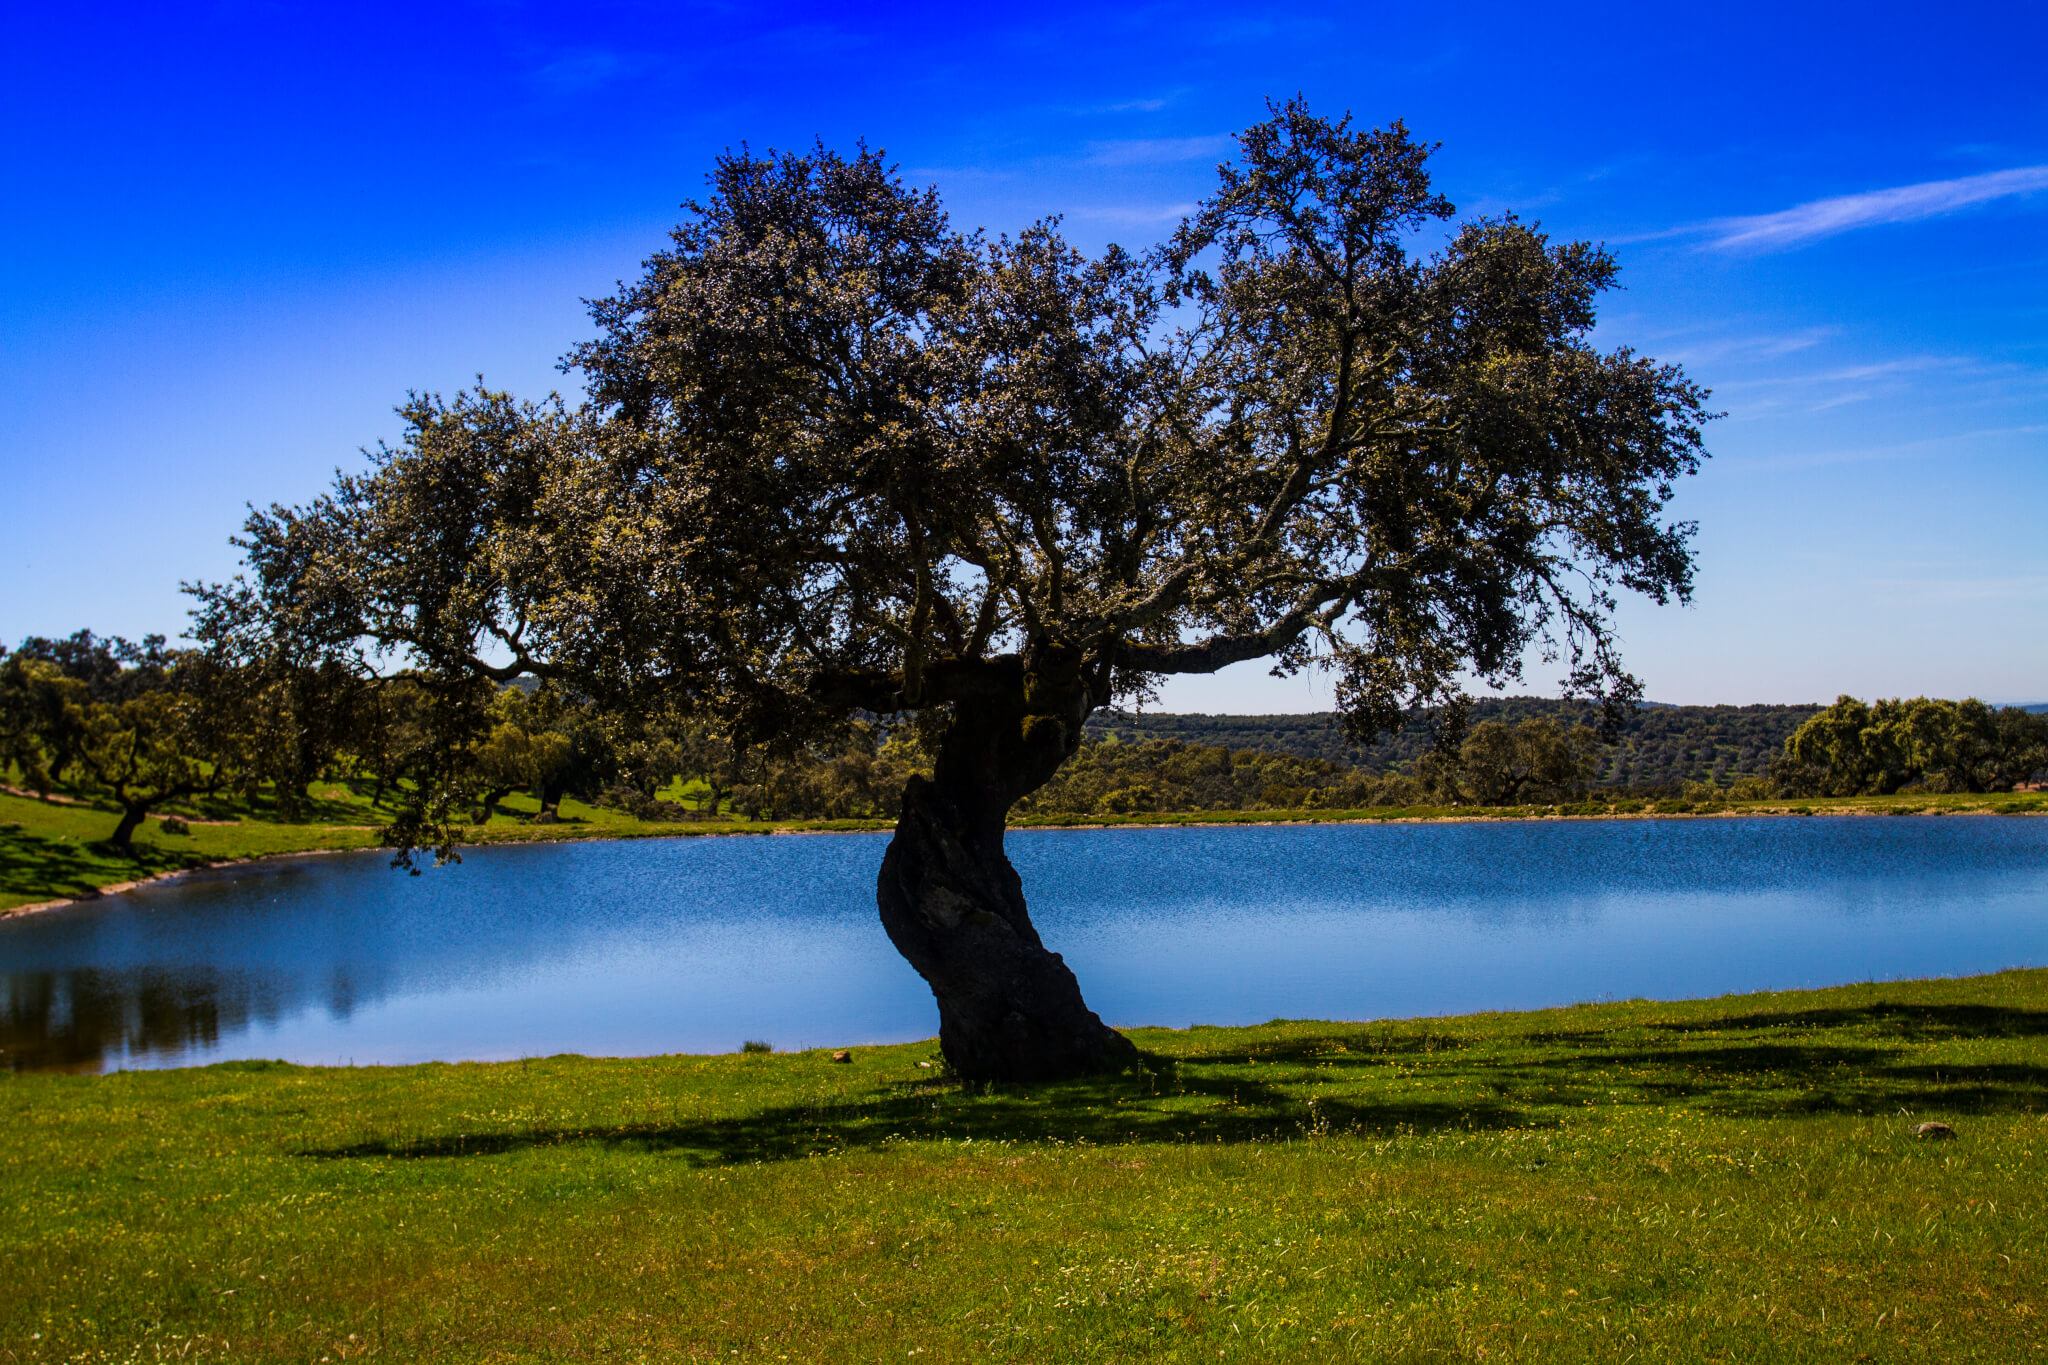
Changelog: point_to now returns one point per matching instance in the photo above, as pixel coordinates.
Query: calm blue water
(692, 945)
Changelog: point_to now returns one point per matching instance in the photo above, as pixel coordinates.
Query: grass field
(50, 851)
(1725, 1180)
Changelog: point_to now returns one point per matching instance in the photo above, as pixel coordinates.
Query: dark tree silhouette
(838, 459)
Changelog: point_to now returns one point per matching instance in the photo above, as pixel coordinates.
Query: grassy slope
(49, 852)
(1731, 1180)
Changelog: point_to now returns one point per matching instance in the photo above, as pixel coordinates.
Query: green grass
(51, 852)
(1724, 1180)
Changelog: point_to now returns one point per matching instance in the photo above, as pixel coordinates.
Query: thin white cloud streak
(1137, 151)
(1805, 223)
(1851, 373)
(1736, 349)
(1134, 215)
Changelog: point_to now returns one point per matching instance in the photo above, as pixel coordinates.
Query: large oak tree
(839, 459)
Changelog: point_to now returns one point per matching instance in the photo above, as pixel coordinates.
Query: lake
(694, 945)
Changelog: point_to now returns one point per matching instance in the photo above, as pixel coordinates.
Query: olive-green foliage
(143, 724)
(301, 679)
(860, 778)
(1657, 748)
(1537, 760)
(520, 752)
(1111, 778)
(1728, 1180)
(42, 724)
(1851, 749)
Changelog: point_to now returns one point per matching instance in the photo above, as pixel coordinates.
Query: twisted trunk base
(1009, 1009)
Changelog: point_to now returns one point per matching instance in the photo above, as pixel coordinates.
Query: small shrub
(171, 824)
(755, 1045)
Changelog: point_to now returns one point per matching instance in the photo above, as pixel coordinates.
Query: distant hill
(1659, 746)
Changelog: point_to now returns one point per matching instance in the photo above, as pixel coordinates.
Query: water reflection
(693, 945)
(67, 1021)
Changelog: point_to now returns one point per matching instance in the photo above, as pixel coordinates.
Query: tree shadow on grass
(1868, 1059)
(1175, 1100)
(1382, 1081)
(1886, 1019)
(32, 865)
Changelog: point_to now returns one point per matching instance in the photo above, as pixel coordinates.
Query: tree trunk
(1009, 1008)
(551, 793)
(133, 813)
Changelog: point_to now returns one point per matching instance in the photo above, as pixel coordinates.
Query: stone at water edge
(1933, 1130)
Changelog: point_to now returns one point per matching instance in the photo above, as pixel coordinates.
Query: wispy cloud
(1805, 223)
(1713, 343)
(1859, 373)
(1133, 215)
(1141, 150)
(1770, 395)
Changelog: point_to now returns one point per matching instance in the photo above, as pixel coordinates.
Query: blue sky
(236, 234)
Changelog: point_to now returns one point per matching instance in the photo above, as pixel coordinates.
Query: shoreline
(121, 888)
(1177, 820)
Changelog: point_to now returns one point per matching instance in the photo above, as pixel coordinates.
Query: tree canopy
(145, 724)
(1853, 749)
(838, 459)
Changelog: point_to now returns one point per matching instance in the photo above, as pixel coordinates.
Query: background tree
(42, 720)
(1537, 760)
(1851, 749)
(293, 651)
(144, 725)
(839, 461)
(2019, 752)
(707, 752)
(518, 753)
(49, 684)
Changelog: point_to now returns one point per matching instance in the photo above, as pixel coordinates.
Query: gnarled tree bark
(1009, 1007)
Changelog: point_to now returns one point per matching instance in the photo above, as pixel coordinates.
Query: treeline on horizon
(151, 729)
(1655, 751)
